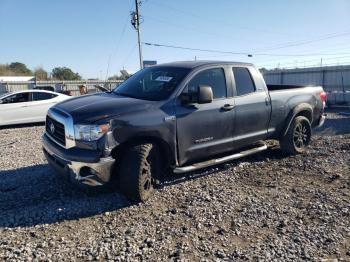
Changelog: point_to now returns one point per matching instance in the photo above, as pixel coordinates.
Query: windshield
(152, 83)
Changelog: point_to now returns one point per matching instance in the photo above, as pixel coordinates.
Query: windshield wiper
(126, 95)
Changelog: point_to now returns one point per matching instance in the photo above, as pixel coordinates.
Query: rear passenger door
(204, 130)
(41, 103)
(252, 108)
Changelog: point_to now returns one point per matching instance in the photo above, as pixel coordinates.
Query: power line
(115, 50)
(316, 59)
(128, 55)
(218, 21)
(227, 52)
(281, 66)
(304, 42)
(325, 52)
(280, 46)
(306, 61)
(276, 47)
(304, 55)
(190, 28)
(117, 46)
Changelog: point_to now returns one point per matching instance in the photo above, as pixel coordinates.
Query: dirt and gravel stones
(264, 207)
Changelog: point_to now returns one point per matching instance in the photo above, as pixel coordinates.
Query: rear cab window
(243, 81)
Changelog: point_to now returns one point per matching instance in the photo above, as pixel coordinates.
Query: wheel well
(118, 151)
(305, 113)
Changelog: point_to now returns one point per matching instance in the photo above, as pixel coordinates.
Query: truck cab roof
(199, 63)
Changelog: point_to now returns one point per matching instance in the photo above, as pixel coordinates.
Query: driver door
(14, 109)
(204, 130)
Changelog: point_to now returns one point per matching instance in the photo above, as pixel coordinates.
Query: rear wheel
(138, 170)
(298, 136)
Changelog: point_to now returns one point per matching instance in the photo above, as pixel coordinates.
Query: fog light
(86, 171)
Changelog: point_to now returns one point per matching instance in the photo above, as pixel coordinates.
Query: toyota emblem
(52, 128)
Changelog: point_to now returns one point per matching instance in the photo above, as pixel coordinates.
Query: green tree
(5, 70)
(64, 73)
(263, 70)
(40, 74)
(19, 68)
(115, 77)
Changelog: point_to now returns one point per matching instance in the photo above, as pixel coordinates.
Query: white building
(14, 83)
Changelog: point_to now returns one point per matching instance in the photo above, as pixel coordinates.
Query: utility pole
(135, 21)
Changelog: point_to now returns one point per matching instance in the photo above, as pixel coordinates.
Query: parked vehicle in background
(29, 106)
(51, 88)
(180, 116)
(47, 88)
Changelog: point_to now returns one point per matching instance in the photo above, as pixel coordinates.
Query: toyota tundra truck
(179, 116)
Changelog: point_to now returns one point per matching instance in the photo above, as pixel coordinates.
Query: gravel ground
(264, 207)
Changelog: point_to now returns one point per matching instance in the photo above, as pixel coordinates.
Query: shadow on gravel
(273, 153)
(22, 125)
(35, 195)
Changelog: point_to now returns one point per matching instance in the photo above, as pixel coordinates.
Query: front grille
(56, 130)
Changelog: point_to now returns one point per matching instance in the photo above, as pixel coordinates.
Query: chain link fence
(71, 87)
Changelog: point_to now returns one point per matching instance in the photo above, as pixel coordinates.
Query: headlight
(90, 132)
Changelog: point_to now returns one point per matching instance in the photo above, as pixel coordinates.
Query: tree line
(58, 73)
(20, 69)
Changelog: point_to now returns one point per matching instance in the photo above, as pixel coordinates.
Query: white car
(29, 106)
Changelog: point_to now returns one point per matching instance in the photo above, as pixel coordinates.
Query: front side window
(215, 78)
(38, 96)
(244, 81)
(16, 98)
(152, 83)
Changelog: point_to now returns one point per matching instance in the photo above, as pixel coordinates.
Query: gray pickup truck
(179, 116)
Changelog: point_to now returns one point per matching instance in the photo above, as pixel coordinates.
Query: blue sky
(84, 34)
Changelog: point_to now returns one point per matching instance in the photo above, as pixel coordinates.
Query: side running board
(184, 169)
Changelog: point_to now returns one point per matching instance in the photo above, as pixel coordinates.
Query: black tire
(298, 136)
(138, 168)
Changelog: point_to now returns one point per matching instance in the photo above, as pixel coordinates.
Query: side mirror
(205, 94)
(202, 94)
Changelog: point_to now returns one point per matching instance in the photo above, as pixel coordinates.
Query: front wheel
(298, 136)
(139, 167)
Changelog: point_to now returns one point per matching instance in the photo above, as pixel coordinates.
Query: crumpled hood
(91, 108)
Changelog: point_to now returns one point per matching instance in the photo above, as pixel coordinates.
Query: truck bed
(285, 97)
(282, 87)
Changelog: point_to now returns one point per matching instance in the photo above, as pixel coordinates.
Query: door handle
(267, 101)
(227, 107)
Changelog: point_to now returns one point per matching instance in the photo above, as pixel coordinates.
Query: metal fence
(58, 86)
(334, 79)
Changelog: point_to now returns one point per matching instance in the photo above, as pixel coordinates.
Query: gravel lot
(264, 207)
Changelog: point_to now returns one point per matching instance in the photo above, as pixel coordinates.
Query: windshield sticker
(163, 78)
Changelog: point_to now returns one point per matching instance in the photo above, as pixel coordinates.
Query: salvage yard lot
(266, 206)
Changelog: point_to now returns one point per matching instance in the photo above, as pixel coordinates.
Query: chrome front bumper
(91, 174)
